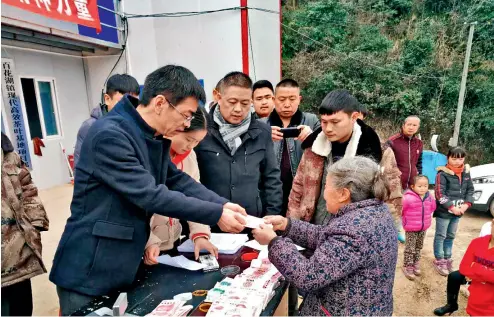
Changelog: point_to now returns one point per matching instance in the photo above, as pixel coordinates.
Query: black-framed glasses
(187, 118)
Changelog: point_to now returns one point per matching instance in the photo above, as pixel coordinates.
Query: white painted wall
(209, 45)
(50, 169)
(97, 70)
(266, 45)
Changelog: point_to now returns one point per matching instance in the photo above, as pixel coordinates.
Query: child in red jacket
(418, 206)
(478, 265)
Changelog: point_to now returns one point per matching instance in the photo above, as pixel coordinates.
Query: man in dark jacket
(262, 98)
(289, 151)
(124, 177)
(236, 158)
(117, 86)
(408, 150)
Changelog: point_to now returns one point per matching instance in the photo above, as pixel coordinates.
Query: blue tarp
(430, 161)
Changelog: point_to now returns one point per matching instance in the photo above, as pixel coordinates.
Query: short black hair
(218, 85)
(199, 122)
(339, 100)
(457, 152)
(122, 83)
(419, 176)
(262, 84)
(236, 79)
(174, 82)
(363, 110)
(287, 82)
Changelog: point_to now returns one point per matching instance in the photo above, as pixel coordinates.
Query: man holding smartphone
(289, 128)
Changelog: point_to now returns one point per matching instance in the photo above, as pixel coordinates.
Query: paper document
(256, 246)
(254, 222)
(180, 262)
(226, 243)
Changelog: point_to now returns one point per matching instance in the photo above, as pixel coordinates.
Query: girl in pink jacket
(418, 206)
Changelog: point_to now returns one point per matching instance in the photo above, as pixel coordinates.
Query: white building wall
(97, 70)
(51, 169)
(264, 55)
(209, 45)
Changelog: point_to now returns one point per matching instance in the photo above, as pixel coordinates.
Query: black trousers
(455, 280)
(17, 299)
(71, 301)
(292, 300)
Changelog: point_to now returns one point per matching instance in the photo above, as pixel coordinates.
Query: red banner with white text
(83, 12)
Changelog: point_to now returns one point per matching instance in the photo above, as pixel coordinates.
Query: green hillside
(399, 57)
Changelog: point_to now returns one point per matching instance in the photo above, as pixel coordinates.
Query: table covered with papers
(162, 282)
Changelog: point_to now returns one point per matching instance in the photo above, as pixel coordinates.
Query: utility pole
(461, 98)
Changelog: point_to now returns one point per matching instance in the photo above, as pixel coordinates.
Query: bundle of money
(247, 294)
(167, 308)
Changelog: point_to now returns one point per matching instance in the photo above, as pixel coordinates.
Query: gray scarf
(231, 132)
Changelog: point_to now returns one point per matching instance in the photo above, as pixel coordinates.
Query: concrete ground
(410, 298)
(57, 204)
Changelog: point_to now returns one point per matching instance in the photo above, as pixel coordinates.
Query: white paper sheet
(226, 243)
(256, 246)
(254, 222)
(180, 262)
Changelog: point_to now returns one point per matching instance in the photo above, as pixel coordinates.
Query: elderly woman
(352, 269)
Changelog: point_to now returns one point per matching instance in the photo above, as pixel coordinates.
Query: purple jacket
(353, 266)
(417, 213)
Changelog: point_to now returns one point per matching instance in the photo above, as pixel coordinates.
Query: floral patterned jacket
(23, 218)
(352, 269)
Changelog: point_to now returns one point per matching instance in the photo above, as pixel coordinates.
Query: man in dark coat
(408, 150)
(236, 159)
(123, 178)
(287, 114)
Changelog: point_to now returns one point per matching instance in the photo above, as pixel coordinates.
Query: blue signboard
(107, 33)
(19, 138)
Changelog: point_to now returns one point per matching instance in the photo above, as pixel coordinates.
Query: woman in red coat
(478, 265)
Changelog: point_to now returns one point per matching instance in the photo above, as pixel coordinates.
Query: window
(41, 108)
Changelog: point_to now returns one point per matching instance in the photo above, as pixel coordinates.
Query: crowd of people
(152, 168)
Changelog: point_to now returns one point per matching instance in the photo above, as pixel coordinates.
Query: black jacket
(451, 192)
(294, 146)
(248, 175)
(123, 178)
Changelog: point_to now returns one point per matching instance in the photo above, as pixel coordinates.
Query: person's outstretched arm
(116, 165)
(338, 257)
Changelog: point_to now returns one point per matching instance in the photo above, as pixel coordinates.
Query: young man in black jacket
(123, 178)
(236, 159)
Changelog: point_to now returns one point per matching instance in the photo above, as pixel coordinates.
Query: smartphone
(290, 132)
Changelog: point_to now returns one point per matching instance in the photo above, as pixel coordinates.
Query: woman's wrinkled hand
(279, 223)
(264, 234)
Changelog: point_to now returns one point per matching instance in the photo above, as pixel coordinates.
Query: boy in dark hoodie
(117, 86)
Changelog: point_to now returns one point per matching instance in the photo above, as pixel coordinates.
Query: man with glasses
(124, 177)
(236, 158)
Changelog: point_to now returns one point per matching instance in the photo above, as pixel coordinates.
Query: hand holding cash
(254, 222)
(279, 223)
(264, 234)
